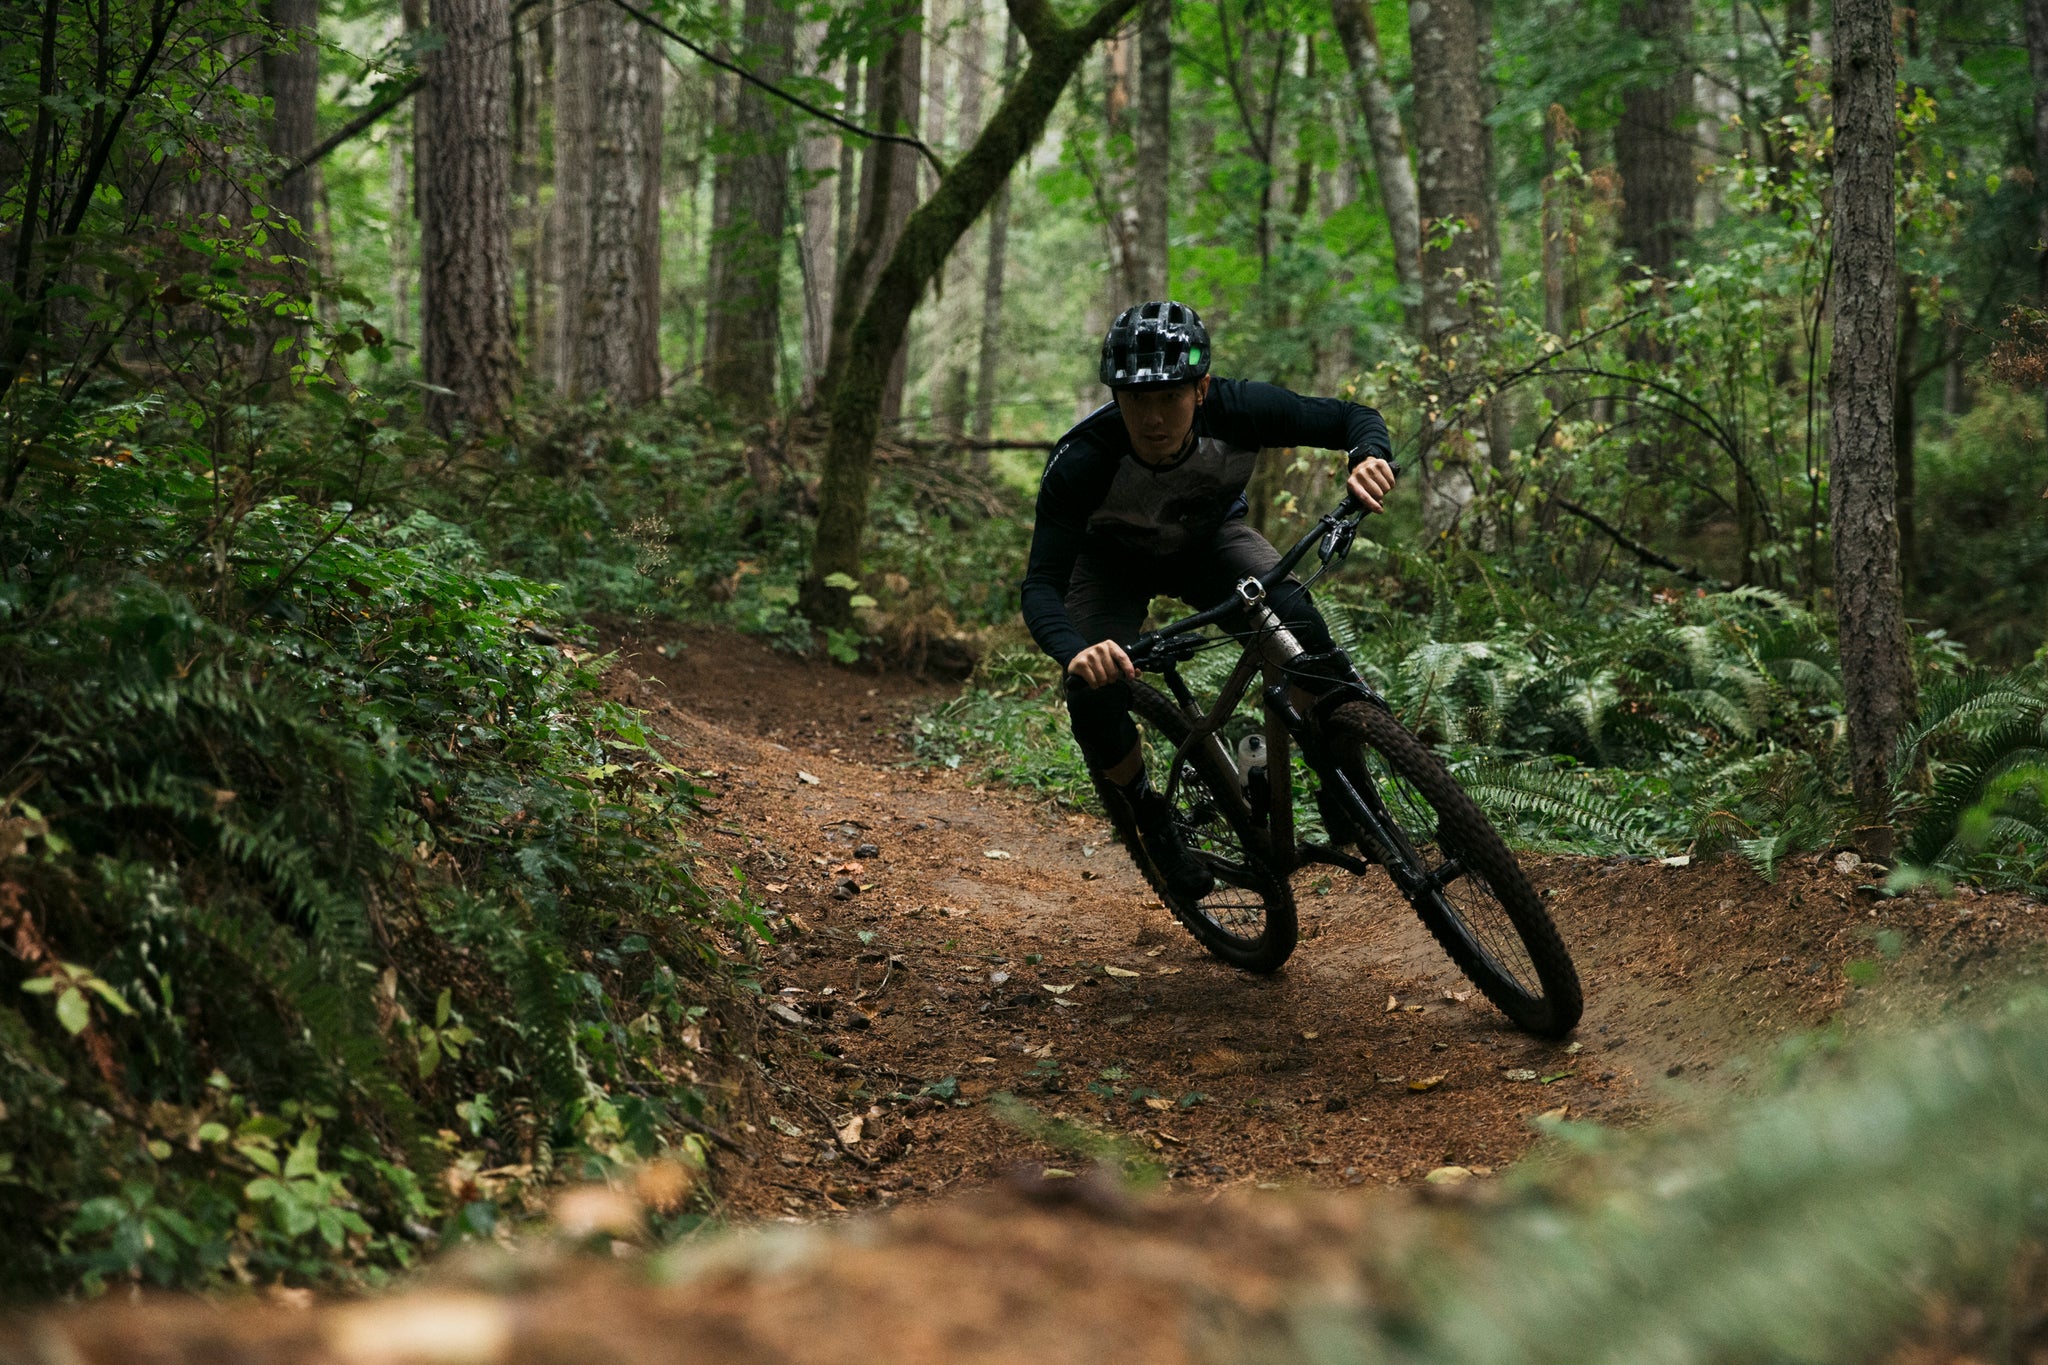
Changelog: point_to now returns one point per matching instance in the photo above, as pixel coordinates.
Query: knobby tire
(1277, 929)
(1540, 995)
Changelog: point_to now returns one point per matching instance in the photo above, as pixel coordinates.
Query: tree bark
(897, 164)
(1459, 270)
(1120, 213)
(291, 77)
(1391, 168)
(607, 179)
(1877, 675)
(740, 367)
(992, 287)
(819, 250)
(959, 332)
(2037, 62)
(1652, 143)
(465, 238)
(1905, 418)
(1056, 50)
(1153, 193)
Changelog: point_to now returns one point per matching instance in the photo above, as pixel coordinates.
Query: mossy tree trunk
(920, 253)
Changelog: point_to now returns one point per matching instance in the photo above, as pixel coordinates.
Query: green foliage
(310, 834)
(1786, 1229)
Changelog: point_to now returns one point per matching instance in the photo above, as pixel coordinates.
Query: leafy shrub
(322, 870)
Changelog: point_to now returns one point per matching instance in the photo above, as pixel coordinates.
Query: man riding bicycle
(1146, 497)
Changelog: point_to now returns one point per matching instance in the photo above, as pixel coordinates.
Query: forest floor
(941, 943)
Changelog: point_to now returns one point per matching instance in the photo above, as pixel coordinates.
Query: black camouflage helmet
(1155, 345)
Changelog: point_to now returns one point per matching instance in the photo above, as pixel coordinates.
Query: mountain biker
(1146, 497)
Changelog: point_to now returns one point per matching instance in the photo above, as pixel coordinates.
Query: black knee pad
(1101, 717)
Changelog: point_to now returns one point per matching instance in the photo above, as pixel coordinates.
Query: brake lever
(1337, 540)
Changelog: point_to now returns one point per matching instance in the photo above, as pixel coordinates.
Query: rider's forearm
(1055, 546)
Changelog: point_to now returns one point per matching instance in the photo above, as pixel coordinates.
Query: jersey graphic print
(1166, 511)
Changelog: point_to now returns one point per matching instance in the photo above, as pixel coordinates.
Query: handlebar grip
(1349, 505)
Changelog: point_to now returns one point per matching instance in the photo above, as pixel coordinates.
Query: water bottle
(1251, 769)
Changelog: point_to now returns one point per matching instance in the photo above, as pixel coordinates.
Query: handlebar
(1334, 529)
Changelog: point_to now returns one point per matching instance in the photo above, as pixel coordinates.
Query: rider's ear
(1201, 390)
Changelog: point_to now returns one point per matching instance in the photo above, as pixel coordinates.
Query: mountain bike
(1380, 789)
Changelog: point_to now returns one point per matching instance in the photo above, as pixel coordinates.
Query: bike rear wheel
(1248, 919)
(1485, 914)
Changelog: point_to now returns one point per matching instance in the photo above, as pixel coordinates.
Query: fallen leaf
(994, 853)
(586, 1210)
(1119, 971)
(1574, 1049)
(1311, 1034)
(1412, 1009)
(849, 1132)
(1458, 997)
(1178, 1142)
(998, 978)
(1169, 971)
(1556, 1115)
(1392, 1004)
(1154, 952)
(806, 778)
(787, 1015)
(1040, 1052)
(1520, 1073)
(1155, 1102)
(776, 888)
(1065, 1003)
(1427, 1082)
(1448, 1175)
(981, 1061)
(784, 1126)
(1562, 1075)
(848, 870)
(1056, 990)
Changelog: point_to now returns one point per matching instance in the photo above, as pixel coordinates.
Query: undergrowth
(331, 880)
(1693, 723)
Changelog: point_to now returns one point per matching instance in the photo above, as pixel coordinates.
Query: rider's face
(1158, 419)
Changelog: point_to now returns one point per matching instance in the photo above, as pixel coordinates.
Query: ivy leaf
(443, 1005)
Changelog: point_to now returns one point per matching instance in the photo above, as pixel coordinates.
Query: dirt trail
(943, 943)
(1306, 1076)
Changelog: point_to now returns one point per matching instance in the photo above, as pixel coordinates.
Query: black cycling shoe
(1185, 874)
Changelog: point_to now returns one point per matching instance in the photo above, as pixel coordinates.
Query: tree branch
(938, 166)
(1638, 549)
(321, 149)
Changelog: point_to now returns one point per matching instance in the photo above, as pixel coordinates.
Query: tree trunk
(291, 77)
(740, 367)
(1120, 214)
(1459, 271)
(1877, 675)
(1652, 143)
(899, 165)
(819, 254)
(530, 70)
(465, 238)
(960, 331)
(1905, 416)
(607, 178)
(398, 326)
(2037, 61)
(1056, 50)
(1390, 165)
(992, 288)
(1153, 193)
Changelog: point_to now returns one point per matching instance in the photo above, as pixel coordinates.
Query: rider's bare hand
(1370, 482)
(1102, 664)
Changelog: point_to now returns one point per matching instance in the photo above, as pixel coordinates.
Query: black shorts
(1109, 596)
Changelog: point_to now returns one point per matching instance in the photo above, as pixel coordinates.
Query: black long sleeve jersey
(1097, 495)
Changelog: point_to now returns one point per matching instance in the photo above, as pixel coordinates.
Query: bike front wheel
(1469, 890)
(1248, 920)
